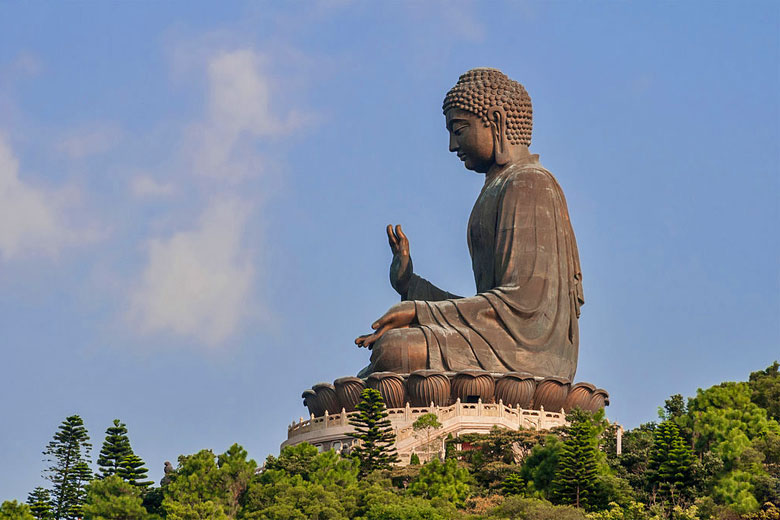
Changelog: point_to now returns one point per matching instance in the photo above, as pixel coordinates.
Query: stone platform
(330, 430)
(469, 401)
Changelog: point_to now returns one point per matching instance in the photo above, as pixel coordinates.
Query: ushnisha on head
(480, 90)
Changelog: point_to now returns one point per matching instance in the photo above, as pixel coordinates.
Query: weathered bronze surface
(428, 386)
(524, 256)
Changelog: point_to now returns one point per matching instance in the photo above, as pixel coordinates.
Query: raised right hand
(401, 266)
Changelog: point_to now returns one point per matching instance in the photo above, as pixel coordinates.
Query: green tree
(631, 465)
(445, 480)
(539, 467)
(116, 447)
(669, 467)
(414, 460)
(113, 499)
(674, 407)
(765, 389)
(303, 483)
(236, 471)
(376, 449)
(577, 468)
(208, 487)
(513, 485)
(13, 510)
(132, 470)
(426, 425)
(534, 509)
(39, 501)
(69, 472)
(412, 508)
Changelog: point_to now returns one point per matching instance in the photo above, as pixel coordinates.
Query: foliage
(205, 487)
(513, 485)
(132, 470)
(116, 447)
(538, 469)
(303, 483)
(445, 480)
(669, 467)
(716, 457)
(69, 454)
(632, 511)
(765, 389)
(411, 508)
(376, 449)
(499, 445)
(13, 510)
(769, 511)
(39, 501)
(113, 499)
(427, 424)
(577, 468)
(414, 460)
(516, 507)
(736, 489)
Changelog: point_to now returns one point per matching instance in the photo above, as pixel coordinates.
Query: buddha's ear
(497, 121)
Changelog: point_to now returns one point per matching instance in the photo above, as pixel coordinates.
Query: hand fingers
(367, 340)
(401, 237)
(392, 238)
(360, 341)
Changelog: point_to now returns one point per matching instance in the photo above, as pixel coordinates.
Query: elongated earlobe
(497, 119)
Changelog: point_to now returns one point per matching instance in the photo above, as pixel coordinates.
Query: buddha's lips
(462, 157)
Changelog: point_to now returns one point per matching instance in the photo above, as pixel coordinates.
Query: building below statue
(330, 431)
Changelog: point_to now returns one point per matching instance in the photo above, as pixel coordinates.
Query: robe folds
(529, 291)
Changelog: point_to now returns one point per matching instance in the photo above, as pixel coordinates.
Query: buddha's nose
(453, 143)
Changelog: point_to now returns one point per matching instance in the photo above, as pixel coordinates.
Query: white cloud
(239, 111)
(91, 140)
(144, 186)
(197, 283)
(31, 219)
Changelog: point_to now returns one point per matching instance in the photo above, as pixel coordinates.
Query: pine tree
(116, 447)
(575, 475)
(69, 453)
(83, 474)
(669, 467)
(132, 470)
(39, 501)
(372, 428)
(513, 484)
(112, 498)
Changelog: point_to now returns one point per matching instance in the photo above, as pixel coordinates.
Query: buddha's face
(470, 139)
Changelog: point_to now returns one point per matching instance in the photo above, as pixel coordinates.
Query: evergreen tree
(765, 389)
(69, 472)
(13, 510)
(446, 480)
(669, 467)
(372, 428)
(132, 470)
(39, 501)
(577, 469)
(113, 499)
(116, 447)
(513, 484)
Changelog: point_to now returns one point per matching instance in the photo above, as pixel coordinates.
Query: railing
(402, 418)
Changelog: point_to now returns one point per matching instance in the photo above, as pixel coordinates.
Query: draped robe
(527, 271)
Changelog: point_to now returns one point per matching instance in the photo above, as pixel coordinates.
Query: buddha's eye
(458, 129)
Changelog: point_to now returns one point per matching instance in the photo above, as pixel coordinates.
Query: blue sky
(193, 198)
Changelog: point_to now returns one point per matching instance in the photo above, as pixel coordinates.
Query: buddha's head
(489, 118)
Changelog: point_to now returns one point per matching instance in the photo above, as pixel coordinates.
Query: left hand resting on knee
(398, 316)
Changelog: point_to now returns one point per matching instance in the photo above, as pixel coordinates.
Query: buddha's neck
(516, 154)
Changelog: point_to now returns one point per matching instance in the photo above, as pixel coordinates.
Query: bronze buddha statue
(524, 256)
